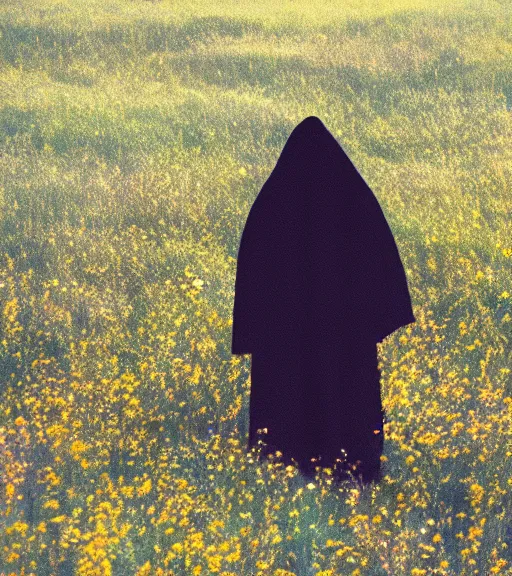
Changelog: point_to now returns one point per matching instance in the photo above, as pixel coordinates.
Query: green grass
(134, 137)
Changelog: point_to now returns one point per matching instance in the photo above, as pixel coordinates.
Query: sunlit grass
(134, 137)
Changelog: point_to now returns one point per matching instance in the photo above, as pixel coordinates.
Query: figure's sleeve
(245, 309)
(394, 307)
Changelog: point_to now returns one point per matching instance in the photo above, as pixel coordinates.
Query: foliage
(134, 137)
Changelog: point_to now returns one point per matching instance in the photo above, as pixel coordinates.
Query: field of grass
(134, 137)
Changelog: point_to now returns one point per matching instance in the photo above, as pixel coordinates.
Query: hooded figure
(319, 282)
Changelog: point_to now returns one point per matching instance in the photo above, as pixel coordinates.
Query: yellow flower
(9, 490)
(477, 493)
(357, 518)
(20, 421)
(214, 562)
(41, 527)
(13, 556)
(501, 563)
(474, 532)
(145, 569)
(78, 446)
(145, 488)
(437, 538)
(20, 527)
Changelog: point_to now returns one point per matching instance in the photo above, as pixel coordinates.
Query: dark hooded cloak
(319, 282)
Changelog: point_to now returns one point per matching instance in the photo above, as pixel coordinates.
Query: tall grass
(134, 137)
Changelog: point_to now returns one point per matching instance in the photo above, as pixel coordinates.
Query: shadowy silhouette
(319, 282)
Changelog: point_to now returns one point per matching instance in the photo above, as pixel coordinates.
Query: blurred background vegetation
(134, 137)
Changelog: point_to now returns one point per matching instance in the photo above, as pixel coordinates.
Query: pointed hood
(314, 165)
(307, 140)
(317, 258)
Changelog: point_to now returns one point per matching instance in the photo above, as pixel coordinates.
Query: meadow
(134, 137)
